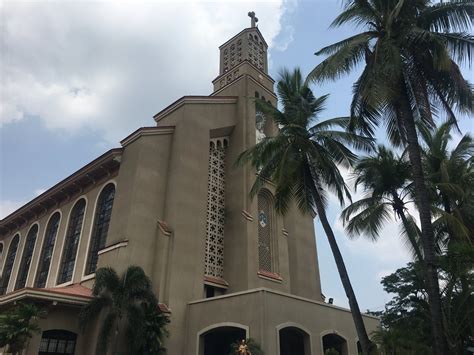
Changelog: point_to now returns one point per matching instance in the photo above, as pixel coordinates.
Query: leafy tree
(126, 301)
(405, 320)
(331, 352)
(409, 49)
(386, 180)
(17, 326)
(302, 161)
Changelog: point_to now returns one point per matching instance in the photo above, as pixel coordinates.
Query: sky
(78, 76)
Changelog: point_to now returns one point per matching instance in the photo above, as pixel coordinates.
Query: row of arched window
(100, 227)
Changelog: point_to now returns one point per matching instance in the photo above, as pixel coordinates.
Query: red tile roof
(74, 289)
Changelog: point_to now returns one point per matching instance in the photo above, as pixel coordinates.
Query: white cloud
(8, 206)
(110, 66)
(383, 273)
(388, 249)
(38, 192)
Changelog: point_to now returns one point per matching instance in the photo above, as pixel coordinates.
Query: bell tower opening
(249, 47)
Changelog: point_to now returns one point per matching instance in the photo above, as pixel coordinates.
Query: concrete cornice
(44, 295)
(90, 174)
(249, 29)
(243, 62)
(267, 290)
(146, 131)
(186, 100)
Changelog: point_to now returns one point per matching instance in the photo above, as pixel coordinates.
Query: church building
(171, 200)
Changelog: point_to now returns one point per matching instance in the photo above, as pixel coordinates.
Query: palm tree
(450, 176)
(385, 178)
(302, 161)
(18, 325)
(125, 301)
(410, 74)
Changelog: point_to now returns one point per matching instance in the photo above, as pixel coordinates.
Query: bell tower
(247, 47)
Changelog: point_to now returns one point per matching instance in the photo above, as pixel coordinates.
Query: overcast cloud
(110, 66)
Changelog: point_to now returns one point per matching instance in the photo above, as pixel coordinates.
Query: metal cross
(253, 20)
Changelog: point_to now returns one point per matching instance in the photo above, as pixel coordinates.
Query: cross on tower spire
(253, 19)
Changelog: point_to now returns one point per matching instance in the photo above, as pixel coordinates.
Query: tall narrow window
(10, 260)
(214, 254)
(1, 254)
(71, 242)
(101, 226)
(26, 257)
(265, 231)
(47, 250)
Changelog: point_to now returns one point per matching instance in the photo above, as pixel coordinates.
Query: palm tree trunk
(401, 213)
(346, 283)
(427, 235)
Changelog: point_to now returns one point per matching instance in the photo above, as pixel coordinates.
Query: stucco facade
(181, 209)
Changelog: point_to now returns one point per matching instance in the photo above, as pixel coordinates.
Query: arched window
(57, 341)
(101, 226)
(294, 341)
(10, 260)
(47, 250)
(26, 257)
(71, 242)
(335, 343)
(266, 231)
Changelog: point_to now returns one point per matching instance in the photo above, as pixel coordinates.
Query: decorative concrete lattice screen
(214, 257)
(264, 231)
(256, 52)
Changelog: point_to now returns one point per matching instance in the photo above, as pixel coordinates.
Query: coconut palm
(302, 161)
(385, 179)
(124, 300)
(18, 325)
(409, 50)
(450, 175)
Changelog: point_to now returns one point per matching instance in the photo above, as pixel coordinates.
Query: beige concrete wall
(139, 203)
(63, 318)
(303, 257)
(264, 312)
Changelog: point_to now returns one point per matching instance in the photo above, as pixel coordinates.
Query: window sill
(120, 244)
(271, 276)
(216, 282)
(64, 284)
(88, 277)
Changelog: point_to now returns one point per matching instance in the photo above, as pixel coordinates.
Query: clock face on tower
(262, 219)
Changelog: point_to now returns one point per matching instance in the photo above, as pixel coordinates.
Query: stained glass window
(71, 242)
(26, 257)
(265, 231)
(10, 260)
(101, 226)
(47, 250)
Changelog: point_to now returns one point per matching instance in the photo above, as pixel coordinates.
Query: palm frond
(105, 278)
(105, 334)
(369, 222)
(93, 309)
(358, 12)
(448, 16)
(341, 62)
